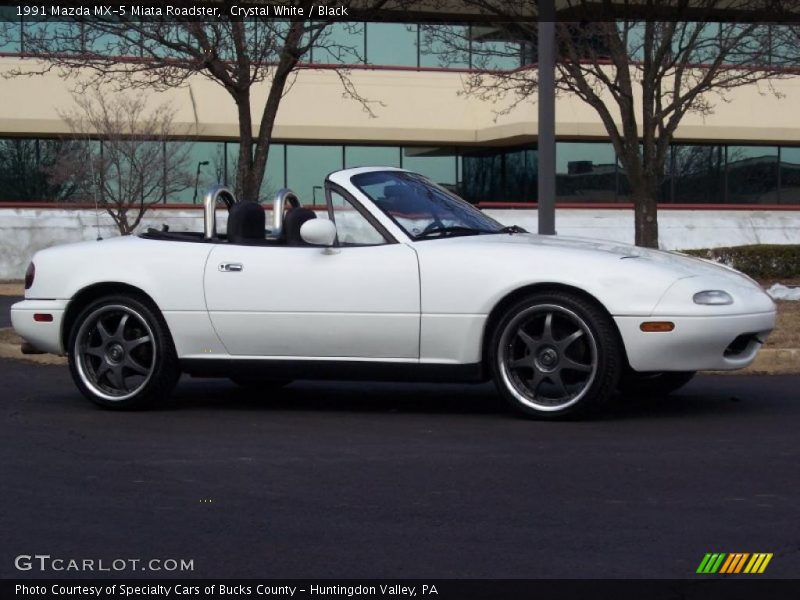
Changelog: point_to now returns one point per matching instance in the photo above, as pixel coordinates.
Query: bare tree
(642, 77)
(131, 170)
(236, 54)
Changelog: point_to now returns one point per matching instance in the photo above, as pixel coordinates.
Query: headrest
(292, 223)
(246, 222)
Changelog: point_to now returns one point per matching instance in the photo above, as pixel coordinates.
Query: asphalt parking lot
(379, 480)
(5, 310)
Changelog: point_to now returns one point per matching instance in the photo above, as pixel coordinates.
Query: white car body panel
(349, 302)
(696, 343)
(411, 301)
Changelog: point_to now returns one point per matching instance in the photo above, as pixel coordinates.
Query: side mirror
(318, 232)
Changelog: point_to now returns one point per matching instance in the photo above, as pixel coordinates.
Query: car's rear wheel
(555, 355)
(121, 354)
(634, 384)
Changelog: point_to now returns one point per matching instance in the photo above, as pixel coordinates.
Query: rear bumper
(42, 335)
(696, 343)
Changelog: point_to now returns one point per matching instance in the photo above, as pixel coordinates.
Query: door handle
(231, 267)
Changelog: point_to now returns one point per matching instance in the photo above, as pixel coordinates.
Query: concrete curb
(770, 361)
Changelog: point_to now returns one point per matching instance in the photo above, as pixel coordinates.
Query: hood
(681, 264)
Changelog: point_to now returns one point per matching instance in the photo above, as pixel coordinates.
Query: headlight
(717, 297)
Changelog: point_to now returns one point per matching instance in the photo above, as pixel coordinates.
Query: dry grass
(787, 329)
(10, 348)
(7, 336)
(11, 288)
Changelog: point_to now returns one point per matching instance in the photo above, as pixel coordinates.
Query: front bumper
(697, 343)
(42, 335)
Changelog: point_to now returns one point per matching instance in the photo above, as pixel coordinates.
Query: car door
(359, 299)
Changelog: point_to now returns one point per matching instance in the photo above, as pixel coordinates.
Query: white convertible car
(397, 279)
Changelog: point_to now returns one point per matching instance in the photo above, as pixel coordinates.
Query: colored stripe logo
(734, 563)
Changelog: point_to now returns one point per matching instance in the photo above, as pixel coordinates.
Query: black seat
(246, 222)
(292, 223)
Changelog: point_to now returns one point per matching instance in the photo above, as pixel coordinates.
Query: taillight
(29, 275)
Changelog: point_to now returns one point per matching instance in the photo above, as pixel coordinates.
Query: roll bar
(213, 195)
(278, 202)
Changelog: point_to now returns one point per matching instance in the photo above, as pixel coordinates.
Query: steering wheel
(431, 226)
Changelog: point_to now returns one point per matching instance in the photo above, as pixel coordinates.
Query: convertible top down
(395, 277)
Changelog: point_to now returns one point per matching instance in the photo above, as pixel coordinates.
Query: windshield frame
(494, 226)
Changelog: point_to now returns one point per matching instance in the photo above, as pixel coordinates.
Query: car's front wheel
(121, 354)
(554, 355)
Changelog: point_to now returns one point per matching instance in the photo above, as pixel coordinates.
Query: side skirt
(333, 369)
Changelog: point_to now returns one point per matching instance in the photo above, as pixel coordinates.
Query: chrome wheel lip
(510, 332)
(88, 326)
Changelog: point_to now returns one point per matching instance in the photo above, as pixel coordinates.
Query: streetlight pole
(547, 117)
(202, 163)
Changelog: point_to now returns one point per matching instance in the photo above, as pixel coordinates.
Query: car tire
(634, 384)
(121, 354)
(256, 384)
(555, 355)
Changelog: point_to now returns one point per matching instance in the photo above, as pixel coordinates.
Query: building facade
(733, 175)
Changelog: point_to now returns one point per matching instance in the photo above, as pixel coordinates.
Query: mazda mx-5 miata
(394, 278)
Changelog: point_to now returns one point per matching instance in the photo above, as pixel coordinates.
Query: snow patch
(783, 292)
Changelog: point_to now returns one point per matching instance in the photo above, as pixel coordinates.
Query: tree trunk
(645, 211)
(245, 188)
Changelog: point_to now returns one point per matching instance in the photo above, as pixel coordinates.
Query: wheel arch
(91, 293)
(518, 294)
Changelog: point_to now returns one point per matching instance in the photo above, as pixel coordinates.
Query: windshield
(421, 208)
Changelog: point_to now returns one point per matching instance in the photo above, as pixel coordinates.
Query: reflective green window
(51, 36)
(340, 43)
(444, 46)
(752, 174)
(624, 192)
(749, 43)
(521, 170)
(631, 34)
(499, 175)
(10, 29)
(585, 172)
(438, 164)
(698, 42)
(785, 45)
(371, 156)
(484, 176)
(790, 175)
(392, 44)
(698, 173)
(274, 179)
(307, 167)
(45, 170)
(491, 52)
(200, 165)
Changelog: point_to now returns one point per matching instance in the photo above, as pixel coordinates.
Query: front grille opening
(741, 344)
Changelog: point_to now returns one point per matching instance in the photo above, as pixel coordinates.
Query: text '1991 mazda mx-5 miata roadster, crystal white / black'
(394, 278)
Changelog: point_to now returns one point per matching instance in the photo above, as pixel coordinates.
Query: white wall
(23, 231)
